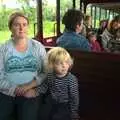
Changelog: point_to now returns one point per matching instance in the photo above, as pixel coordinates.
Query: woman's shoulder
(37, 45)
(37, 48)
(5, 45)
(35, 42)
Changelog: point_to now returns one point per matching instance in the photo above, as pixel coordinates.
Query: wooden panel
(99, 79)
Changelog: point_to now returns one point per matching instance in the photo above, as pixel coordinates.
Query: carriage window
(49, 17)
(77, 4)
(64, 6)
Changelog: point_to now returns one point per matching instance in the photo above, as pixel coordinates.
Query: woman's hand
(24, 91)
(31, 93)
(21, 90)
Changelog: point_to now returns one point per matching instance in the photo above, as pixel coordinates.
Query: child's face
(61, 68)
(92, 38)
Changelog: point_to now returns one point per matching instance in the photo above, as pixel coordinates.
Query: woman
(109, 32)
(114, 43)
(21, 70)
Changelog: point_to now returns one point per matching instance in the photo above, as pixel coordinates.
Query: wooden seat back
(99, 84)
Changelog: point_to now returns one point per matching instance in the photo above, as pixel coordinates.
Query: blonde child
(61, 85)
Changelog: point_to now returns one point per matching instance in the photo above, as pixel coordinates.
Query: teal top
(18, 68)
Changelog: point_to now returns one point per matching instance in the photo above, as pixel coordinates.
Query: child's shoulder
(72, 76)
(50, 74)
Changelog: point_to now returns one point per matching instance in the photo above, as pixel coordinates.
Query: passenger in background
(94, 44)
(88, 23)
(73, 21)
(21, 70)
(114, 44)
(109, 32)
(102, 27)
(117, 35)
(61, 85)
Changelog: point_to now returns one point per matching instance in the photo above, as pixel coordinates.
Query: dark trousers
(20, 107)
(60, 112)
(52, 110)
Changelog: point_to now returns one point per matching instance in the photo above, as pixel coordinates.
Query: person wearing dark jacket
(73, 21)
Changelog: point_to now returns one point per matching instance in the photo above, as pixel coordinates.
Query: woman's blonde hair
(115, 19)
(57, 54)
(14, 15)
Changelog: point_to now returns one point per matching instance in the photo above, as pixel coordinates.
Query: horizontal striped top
(63, 90)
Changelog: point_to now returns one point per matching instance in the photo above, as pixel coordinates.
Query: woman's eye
(25, 24)
(16, 25)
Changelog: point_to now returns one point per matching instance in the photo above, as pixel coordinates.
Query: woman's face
(19, 28)
(116, 25)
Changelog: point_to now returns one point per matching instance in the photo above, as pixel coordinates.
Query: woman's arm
(5, 85)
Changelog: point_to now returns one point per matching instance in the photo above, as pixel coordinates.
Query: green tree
(28, 9)
(4, 14)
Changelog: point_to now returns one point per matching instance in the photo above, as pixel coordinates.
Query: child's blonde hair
(57, 54)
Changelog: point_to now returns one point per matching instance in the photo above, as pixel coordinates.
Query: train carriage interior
(98, 73)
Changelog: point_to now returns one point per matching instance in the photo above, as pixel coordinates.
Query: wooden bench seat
(99, 84)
